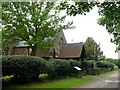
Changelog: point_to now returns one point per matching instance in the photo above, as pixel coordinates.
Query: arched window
(61, 41)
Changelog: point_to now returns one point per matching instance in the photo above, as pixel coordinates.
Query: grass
(108, 73)
(7, 77)
(61, 83)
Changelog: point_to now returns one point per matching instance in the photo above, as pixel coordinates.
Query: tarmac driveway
(111, 81)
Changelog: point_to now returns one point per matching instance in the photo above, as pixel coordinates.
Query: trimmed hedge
(27, 68)
(87, 64)
(57, 68)
(105, 64)
(114, 61)
(101, 66)
(23, 68)
(119, 63)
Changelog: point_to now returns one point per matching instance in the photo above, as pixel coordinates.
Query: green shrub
(26, 68)
(114, 61)
(57, 68)
(43, 76)
(105, 64)
(23, 68)
(92, 71)
(87, 64)
(73, 71)
(119, 63)
(115, 67)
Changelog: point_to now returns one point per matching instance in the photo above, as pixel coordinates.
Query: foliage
(60, 83)
(114, 61)
(23, 68)
(75, 7)
(61, 68)
(26, 68)
(105, 64)
(87, 64)
(93, 51)
(108, 73)
(111, 21)
(119, 63)
(108, 10)
(101, 66)
(34, 22)
(92, 71)
(0, 39)
(43, 76)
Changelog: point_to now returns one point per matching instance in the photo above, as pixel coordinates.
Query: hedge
(119, 63)
(101, 66)
(105, 64)
(87, 64)
(26, 68)
(114, 61)
(23, 68)
(56, 68)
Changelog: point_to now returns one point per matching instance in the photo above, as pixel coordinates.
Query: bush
(92, 71)
(43, 76)
(23, 68)
(73, 71)
(119, 63)
(115, 67)
(27, 68)
(57, 68)
(114, 61)
(87, 64)
(105, 64)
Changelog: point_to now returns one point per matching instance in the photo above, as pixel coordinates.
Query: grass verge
(108, 73)
(61, 83)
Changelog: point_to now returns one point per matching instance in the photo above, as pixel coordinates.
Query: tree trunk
(33, 51)
(54, 53)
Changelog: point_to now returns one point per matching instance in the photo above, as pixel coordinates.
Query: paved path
(112, 81)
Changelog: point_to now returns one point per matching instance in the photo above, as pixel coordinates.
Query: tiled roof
(73, 50)
(21, 44)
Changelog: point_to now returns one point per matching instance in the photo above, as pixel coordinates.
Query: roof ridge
(72, 44)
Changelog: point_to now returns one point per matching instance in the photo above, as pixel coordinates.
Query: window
(61, 41)
(18, 52)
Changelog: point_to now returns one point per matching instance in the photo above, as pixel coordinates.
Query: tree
(110, 12)
(93, 51)
(34, 22)
(76, 7)
(0, 39)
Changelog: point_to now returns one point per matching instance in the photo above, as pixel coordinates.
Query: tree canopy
(0, 39)
(75, 8)
(110, 12)
(34, 22)
(93, 50)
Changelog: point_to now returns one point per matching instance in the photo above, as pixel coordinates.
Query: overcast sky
(86, 26)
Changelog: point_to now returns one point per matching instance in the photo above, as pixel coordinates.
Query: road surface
(111, 81)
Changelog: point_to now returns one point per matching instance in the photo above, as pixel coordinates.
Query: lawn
(108, 73)
(61, 83)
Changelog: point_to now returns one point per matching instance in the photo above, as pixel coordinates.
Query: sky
(86, 26)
